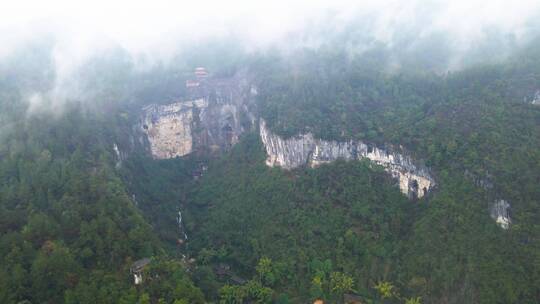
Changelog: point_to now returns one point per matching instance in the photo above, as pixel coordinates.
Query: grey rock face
(304, 149)
(536, 99)
(120, 156)
(169, 128)
(211, 120)
(217, 113)
(499, 211)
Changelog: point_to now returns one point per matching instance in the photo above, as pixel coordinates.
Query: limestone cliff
(536, 98)
(216, 113)
(499, 209)
(501, 214)
(212, 119)
(169, 128)
(304, 149)
(120, 156)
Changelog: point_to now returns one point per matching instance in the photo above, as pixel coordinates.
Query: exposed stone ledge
(169, 128)
(304, 149)
(500, 212)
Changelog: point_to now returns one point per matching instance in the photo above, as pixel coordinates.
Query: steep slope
(214, 124)
(83, 194)
(414, 181)
(69, 229)
(211, 118)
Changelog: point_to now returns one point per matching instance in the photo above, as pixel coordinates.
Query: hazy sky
(158, 27)
(143, 25)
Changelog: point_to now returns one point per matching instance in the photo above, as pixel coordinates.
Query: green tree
(265, 270)
(340, 283)
(386, 289)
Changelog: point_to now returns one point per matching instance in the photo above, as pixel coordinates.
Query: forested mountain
(82, 198)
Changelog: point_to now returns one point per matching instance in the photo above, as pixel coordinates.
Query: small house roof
(201, 72)
(140, 264)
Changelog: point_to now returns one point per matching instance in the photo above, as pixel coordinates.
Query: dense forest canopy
(75, 213)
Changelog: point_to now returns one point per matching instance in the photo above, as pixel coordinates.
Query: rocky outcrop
(414, 180)
(181, 228)
(536, 98)
(500, 212)
(216, 113)
(169, 128)
(213, 118)
(120, 156)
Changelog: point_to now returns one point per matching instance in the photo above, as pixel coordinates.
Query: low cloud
(153, 32)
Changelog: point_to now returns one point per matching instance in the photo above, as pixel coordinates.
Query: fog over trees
(89, 215)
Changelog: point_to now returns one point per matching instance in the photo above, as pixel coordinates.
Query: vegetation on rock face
(474, 126)
(348, 220)
(71, 223)
(69, 230)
